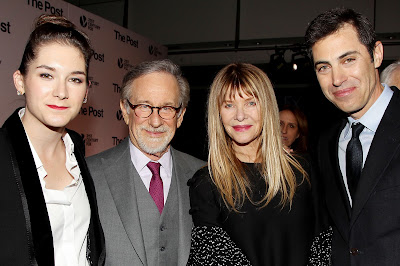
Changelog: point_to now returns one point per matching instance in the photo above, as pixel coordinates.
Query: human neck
(45, 140)
(246, 154)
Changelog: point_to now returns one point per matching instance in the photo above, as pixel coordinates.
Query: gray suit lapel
(384, 146)
(119, 174)
(180, 173)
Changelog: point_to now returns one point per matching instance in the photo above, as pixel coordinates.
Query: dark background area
(299, 88)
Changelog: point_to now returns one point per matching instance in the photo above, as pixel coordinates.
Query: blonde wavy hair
(275, 163)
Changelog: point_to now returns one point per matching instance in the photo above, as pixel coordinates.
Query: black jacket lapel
(383, 147)
(40, 224)
(336, 197)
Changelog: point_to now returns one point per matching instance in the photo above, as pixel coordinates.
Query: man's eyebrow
(340, 57)
(320, 62)
(347, 53)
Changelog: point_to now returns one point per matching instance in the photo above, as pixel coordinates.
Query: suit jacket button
(162, 248)
(162, 228)
(354, 251)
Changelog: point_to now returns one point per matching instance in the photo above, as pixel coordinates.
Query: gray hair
(148, 67)
(388, 71)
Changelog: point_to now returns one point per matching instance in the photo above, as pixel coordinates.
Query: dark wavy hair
(332, 20)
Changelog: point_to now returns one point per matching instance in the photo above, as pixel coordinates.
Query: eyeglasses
(145, 110)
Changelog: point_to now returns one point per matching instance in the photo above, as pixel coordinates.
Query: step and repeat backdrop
(116, 49)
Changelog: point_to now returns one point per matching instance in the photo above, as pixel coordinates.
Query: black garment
(25, 231)
(368, 232)
(268, 236)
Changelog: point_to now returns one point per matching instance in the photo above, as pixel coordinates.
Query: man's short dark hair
(332, 20)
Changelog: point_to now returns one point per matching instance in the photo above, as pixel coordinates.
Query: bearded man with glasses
(141, 184)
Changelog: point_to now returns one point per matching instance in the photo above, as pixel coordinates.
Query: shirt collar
(373, 116)
(71, 164)
(140, 160)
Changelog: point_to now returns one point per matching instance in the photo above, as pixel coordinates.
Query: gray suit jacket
(113, 174)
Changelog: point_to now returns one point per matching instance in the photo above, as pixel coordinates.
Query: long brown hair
(275, 164)
(301, 143)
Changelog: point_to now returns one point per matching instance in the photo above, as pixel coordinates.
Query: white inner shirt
(68, 210)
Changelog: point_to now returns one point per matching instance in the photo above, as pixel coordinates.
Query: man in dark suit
(141, 184)
(359, 157)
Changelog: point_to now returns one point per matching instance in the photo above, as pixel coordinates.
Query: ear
(378, 54)
(125, 114)
(87, 92)
(19, 82)
(180, 118)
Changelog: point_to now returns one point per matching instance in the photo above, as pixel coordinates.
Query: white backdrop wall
(116, 49)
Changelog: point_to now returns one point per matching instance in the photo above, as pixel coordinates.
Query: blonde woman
(253, 204)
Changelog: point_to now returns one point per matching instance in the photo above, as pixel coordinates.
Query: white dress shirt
(68, 209)
(370, 120)
(140, 161)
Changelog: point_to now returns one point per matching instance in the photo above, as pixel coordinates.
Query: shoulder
(113, 153)
(333, 129)
(186, 160)
(201, 182)
(77, 139)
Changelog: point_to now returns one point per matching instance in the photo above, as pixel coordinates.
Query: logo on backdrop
(88, 23)
(83, 21)
(124, 63)
(119, 115)
(93, 82)
(125, 38)
(117, 88)
(116, 141)
(5, 27)
(88, 139)
(46, 7)
(153, 50)
(90, 111)
(98, 56)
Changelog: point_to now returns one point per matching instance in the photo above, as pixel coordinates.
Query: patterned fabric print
(321, 249)
(211, 245)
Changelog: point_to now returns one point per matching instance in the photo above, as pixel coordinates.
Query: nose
(240, 113)
(61, 90)
(155, 119)
(284, 129)
(338, 77)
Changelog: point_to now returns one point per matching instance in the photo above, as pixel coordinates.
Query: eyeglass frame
(134, 106)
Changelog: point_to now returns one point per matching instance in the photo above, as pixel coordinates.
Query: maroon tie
(156, 185)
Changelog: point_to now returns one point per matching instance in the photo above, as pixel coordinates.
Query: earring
(19, 93)
(85, 100)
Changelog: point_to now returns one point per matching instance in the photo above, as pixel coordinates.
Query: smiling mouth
(155, 134)
(344, 92)
(56, 107)
(242, 128)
